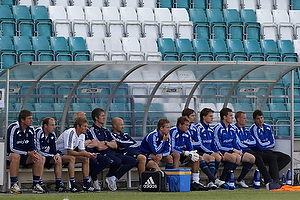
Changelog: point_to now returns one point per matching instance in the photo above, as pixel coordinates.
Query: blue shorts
(134, 152)
(201, 153)
(48, 165)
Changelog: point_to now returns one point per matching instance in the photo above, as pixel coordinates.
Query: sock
(169, 165)
(36, 180)
(227, 167)
(140, 180)
(196, 177)
(217, 164)
(41, 182)
(232, 168)
(13, 180)
(58, 182)
(86, 182)
(73, 183)
(206, 171)
(246, 168)
(211, 166)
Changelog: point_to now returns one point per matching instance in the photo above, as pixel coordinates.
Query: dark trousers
(98, 164)
(120, 164)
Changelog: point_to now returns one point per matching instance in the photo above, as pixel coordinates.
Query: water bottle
(256, 179)
(289, 177)
(231, 181)
(283, 180)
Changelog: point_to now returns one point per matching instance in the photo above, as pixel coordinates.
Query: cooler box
(179, 180)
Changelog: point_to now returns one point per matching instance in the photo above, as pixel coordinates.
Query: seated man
(227, 142)
(21, 150)
(45, 143)
(183, 151)
(72, 143)
(156, 144)
(265, 141)
(128, 146)
(104, 144)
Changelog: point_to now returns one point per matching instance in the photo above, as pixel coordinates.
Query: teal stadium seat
(278, 110)
(185, 50)
(182, 4)
(78, 48)
(61, 49)
(235, 27)
(7, 22)
(81, 107)
(210, 92)
(25, 25)
(286, 49)
(8, 55)
(41, 46)
(280, 91)
(251, 26)
(236, 50)
(120, 110)
(138, 112)
(269, 49)
(295, 4)
(217, 24)
(58, 110)
(245, 107)
(215, 4)
(47, 92)
(253, 50)
(8, 2)
(155, 113)
(201, 26)
(219, 50)
(165, 4)
(43, 110)
(43, 25)
(202, 50)
(167, 48)
(202, 4)
(23, 47)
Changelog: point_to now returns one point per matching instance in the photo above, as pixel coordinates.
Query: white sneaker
(111, 183)
(242, 184)
(96, 185)
(212, 186)
(218, 182)
(15, 189)
(38, 189)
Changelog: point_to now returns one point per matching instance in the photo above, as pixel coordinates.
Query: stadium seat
(80, 26)
(97, 3)
(217, 24)
(285, 28)
(185, 50)
(131, 3)
(8, 2)
(296, 44)
(295, 20)
(63, 3)
(236, 50)
(25, 25)
(253, 50)
(43, 25)
(114, 48)
(249, 4)
(233, 4)
(119, 110)
(8, 56)
(269, 49)
(219, 50)
(132, 48)
(150, 49)
(97, 25)
(96, 47)
(182, 4)
(7, 22)
(167, 25)
(201, 4)
(245, 107)
(184, 25)
(78, 48)
(268, 27)
(23, 47)
(45, 3)
(215, 4)
(61, 24)
(149, 4)
(279, 94)
(61, 49)
(28, 106)
(173, 110)
(150, 27)
(115, 26)
(41, 46)
(295, 4)
(251, 27)
(58, 110)
(133, 27)
(81, 3)
(202, 50)
(43, 110)
(49, 90)
(282, 4)
(201, 26)
(286, 49)
(80, 107)
(234, 25)
(266, 4)
(278, 111)
(115, 3)
(27, 3)
(167, 48)
(156, 112)
(165, 4)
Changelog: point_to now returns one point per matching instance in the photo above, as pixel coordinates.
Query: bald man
(128, 146)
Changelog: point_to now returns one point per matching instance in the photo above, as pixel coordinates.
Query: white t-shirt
(69, 140)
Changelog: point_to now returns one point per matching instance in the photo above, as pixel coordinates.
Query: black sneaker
(61, 188)
(88, 189)
(74, 189)
(200, 186)
(45, 188)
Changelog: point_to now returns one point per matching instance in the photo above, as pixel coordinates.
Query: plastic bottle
(289, 177)
(256, 179)
(231, 181)
(283, 180)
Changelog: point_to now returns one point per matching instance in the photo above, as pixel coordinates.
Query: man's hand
(34, 155)
(158, 158)
(57, 158)
(101, 146)
(238, 152)
(165, 137)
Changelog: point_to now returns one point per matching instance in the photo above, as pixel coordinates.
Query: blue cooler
(179, 180)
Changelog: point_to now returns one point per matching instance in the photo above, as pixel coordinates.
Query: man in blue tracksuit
(265, 141)
(227, 142)
(157, 144)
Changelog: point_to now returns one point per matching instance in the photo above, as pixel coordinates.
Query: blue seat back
(185, 49)
(202, 50)
(199, 4)
(167, 47)
(183, 4)
(231, 15)
(234, 45)
(59, 44)
(39, 12)
(248, 15)
(214, 15)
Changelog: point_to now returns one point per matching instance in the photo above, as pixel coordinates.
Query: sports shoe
(96, 185)
(212, 186)
(140, 188)
(111, 183)
(45, 188)
(200, 186)
(15, 189)
(38, 189)
(242, 184)
(61, 188)
(218, 182)
(74, 189)
(225, 185)
(88, 189)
